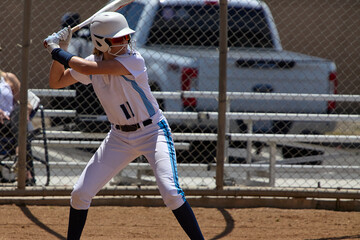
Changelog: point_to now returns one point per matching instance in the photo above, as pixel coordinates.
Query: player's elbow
(53, 85)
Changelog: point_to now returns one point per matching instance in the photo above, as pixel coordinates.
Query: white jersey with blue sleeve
(126, 99)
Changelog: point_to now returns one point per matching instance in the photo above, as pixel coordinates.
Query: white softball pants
(120, 148)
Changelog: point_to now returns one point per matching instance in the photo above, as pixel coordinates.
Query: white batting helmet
(108, 25)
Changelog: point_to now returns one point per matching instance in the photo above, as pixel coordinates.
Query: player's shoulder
(131, 56)
(137, 55)
(134, 54)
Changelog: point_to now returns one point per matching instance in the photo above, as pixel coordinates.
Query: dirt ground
(50, 222)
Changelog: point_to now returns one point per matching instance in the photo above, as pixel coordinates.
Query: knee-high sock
(77, 219)
(188, 222)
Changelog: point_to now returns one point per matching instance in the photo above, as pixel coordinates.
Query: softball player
(138, 127)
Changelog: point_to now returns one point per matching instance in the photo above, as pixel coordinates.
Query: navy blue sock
(188, 222)
(77, 221)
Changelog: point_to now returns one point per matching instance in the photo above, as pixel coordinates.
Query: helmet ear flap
(100, 43)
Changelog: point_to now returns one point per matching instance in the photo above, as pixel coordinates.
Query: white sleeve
(135, 64)
(84, 79)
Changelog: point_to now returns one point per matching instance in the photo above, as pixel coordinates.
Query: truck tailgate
(268, 72)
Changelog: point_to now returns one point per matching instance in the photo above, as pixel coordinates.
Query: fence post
(249, 124)
(227, 130)
(220, 154)
(23, 95)
(272, 162)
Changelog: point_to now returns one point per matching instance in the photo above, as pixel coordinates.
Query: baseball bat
(110, 7)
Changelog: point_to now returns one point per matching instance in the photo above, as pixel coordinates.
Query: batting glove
(52, 42)
(65, 36)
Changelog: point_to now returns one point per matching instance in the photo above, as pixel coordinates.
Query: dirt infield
(50, 222)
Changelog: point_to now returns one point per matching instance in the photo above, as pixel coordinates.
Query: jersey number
(125, 109)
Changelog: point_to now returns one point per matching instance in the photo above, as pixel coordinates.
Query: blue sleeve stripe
(146, 101)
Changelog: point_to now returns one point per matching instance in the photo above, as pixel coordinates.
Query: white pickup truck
(179, 40)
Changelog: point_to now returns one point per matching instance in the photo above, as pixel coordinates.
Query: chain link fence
(292, 91)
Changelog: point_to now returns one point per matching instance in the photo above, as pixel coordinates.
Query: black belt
(133, 127)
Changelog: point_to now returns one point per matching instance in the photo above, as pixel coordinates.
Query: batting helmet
(108, 25)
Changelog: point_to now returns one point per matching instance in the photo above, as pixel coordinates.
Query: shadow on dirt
(230, 224)
(35, 220)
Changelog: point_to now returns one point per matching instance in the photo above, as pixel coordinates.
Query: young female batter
(119, 78)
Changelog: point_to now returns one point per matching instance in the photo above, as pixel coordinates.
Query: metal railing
(79, 139)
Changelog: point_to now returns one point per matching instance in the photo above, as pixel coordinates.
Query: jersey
(6, 97)
(126, 99)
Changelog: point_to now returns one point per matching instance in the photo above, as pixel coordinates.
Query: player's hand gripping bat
(110, 7)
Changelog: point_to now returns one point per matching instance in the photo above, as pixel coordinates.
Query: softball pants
(120, 148)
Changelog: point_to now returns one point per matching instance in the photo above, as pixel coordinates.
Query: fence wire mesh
(287, 63)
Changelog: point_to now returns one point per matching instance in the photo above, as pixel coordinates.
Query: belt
(133, 127)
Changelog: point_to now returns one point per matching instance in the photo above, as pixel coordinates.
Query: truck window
(132, 13)
(198, 25)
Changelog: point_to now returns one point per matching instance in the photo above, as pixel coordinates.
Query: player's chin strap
(117, 54)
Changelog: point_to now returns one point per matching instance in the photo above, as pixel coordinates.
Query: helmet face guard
(118, 43)
(108, 25)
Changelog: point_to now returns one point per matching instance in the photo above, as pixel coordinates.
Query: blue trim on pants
(163, 125)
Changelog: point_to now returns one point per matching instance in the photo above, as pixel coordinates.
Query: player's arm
(59, 77)
(86, 67)
(112, 67)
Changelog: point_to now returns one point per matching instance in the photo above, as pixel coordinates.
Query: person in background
(9, 120)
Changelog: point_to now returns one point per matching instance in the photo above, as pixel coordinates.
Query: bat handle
(76, 28)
